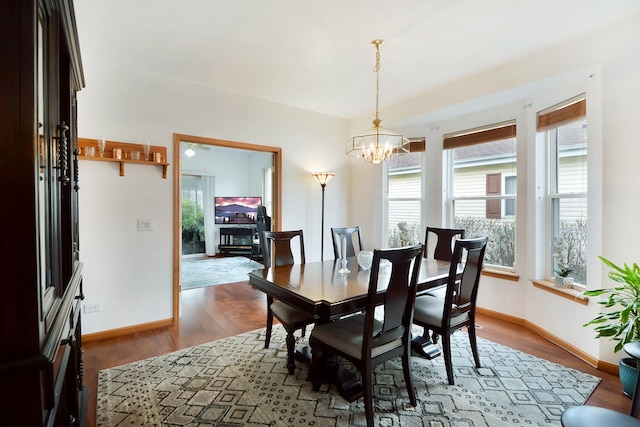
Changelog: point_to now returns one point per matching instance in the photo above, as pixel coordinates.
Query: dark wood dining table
(319, 289)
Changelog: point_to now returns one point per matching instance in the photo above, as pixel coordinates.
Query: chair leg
(267, 335)
(446, 349)
(304, 331)
(408, 378)
(314, 368)
(474, 343)
(291, 346)
(367, 389)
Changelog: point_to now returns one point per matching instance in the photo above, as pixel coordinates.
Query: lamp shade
(324, 177)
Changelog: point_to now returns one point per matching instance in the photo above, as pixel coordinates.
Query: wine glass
(147, 147)
(101, 144)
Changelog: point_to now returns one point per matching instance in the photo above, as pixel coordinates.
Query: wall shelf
(127, 150)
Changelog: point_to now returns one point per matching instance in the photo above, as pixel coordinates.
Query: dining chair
(277, 251)
(349, 233)
(445, 239)
(263, 223)
(366, 341)
(439, 244)
(457, 309)
(591, 416)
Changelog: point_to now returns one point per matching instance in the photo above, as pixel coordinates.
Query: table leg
(327, 369)
(424, 347)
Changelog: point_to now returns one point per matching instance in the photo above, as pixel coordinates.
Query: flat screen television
(237, 210)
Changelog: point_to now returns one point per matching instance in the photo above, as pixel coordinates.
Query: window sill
(569, 293)
(501, 274)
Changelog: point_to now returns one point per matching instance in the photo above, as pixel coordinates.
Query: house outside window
(482, 194)
(565, 127)
(404, 200)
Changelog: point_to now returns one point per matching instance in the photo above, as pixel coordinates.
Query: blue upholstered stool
(586, 416)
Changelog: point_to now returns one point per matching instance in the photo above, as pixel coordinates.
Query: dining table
(320, 289)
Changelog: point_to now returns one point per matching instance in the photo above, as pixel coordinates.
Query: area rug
(237, 382)
(198, 272)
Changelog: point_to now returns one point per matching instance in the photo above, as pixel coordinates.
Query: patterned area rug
(198, 272)
(237, 382)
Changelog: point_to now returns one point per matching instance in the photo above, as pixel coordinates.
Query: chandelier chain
(377, 144)
(376, 69)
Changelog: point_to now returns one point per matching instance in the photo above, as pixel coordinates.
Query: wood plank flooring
(216, 312)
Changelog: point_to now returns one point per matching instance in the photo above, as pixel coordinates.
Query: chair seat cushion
(585, 416)
(346, 335)
(429, 310)
(440, 292)
(289, 314)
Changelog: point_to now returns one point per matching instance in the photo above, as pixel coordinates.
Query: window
(510, 185)
(482, 192)
(192, 219)
(565, 126)
(404, 199)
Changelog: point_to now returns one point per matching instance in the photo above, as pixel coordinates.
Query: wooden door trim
(177, 179)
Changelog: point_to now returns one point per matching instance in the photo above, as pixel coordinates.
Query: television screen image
(237, 210)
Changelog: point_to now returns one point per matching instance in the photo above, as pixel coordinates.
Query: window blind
(490, 133)
(562, 113)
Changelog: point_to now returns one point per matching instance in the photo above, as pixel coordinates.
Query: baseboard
(598, 364)
(501, 316)
(127, 330)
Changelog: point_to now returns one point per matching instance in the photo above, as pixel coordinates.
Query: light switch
(145, 224)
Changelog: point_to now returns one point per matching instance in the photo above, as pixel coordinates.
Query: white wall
(605, 65)
(131, 272)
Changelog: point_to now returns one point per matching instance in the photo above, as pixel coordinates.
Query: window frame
(476, 136)
(418, 169)
(554, 197)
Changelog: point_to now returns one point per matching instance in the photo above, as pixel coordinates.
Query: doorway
(183, 142)
(192, 215)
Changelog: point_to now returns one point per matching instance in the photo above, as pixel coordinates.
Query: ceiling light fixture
(377, 144)
(189, 152)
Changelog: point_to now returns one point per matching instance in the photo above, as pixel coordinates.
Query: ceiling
(316, 55)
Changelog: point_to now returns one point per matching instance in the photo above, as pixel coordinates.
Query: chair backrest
(399, 296)
(264, 219)
(263, 224)
(348, 232)
(461, 295)
(280, 243)
(444, 242)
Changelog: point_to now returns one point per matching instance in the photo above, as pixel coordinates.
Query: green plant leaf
(621, 319)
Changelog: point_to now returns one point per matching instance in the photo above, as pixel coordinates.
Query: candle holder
(101, 144)
(344, 269)
(146, 148)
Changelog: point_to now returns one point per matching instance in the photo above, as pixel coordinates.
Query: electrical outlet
(92, 308)
(145, 224)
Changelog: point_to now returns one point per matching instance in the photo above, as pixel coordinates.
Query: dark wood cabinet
(40, 344)
(237, 240)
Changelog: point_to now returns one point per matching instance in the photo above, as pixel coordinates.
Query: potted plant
(622, 324)
(561, 254)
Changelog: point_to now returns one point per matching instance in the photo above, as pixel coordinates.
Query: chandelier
(377, 144)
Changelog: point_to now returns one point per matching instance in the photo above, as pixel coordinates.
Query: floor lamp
(323, 178)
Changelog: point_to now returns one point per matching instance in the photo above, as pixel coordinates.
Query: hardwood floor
(216, 312)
